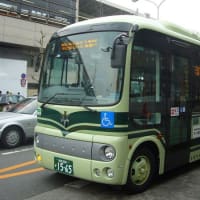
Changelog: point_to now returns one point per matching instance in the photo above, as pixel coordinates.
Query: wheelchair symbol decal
(107, 119)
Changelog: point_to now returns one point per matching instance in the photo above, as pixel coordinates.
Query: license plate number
(63, 166)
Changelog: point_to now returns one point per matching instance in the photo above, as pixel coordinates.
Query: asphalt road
(22, 179)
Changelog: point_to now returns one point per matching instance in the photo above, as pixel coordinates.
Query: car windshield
(26, 106)
(77, 71)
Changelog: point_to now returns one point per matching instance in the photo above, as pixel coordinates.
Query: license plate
(63, 166)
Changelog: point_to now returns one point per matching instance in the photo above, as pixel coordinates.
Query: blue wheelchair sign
(107, 119)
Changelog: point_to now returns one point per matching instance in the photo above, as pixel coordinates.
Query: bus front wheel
(141, 171)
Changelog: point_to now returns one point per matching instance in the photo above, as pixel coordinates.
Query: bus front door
(179, 112)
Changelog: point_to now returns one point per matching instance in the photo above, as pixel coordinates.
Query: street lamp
(155, 4)
(77, 11)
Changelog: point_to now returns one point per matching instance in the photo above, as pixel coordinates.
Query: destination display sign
(67, 46)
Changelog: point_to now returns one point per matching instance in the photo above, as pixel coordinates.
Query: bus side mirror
(118, 55)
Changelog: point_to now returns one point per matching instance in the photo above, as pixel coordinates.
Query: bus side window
(180, 82)
(145, 86)
(195, 92)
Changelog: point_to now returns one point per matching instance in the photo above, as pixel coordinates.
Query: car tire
(142, 170)
(12, 137)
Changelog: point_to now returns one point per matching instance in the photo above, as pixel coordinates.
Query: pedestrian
(18, 96)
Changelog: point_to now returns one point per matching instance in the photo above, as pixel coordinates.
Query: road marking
(21, 173)
(17, 166)
(17, 151)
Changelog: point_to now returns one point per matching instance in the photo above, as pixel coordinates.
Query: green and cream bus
(119, 101)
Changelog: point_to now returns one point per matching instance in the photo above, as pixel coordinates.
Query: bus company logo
(64, 119)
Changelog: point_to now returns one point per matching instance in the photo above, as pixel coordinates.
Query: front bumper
(80, 153)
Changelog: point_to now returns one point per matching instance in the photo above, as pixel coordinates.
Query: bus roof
(164, 27)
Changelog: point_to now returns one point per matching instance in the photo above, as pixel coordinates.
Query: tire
(141, 171)
(12, 137)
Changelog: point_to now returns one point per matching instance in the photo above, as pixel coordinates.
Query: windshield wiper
(85, 106)
(50, 98)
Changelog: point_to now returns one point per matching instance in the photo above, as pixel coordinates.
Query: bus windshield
(77, 71)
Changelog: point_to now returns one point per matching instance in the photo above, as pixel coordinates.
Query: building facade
(27, 25)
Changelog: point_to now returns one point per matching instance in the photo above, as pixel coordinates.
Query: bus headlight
(109, 153)
(103, 152)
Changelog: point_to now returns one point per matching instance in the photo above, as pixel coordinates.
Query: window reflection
(145, 86)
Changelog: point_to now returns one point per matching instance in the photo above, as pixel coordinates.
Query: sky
(182, 12)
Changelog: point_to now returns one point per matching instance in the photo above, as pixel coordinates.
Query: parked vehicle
(7, 101)
(18, 123)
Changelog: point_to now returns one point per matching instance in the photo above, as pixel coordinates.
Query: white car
(18, 123)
